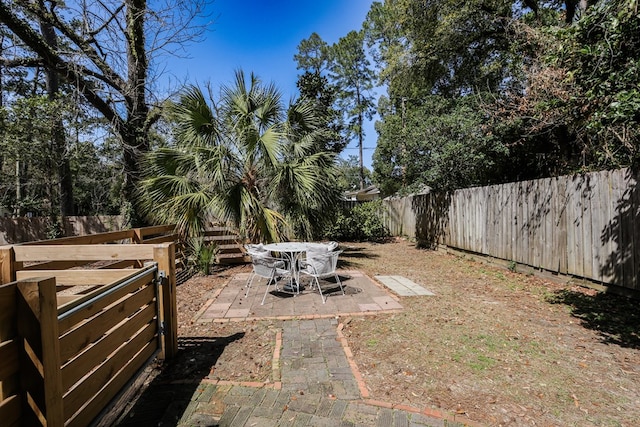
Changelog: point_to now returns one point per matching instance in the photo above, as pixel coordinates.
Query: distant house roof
(369, 193)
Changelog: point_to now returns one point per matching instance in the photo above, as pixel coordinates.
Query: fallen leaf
(575, 400)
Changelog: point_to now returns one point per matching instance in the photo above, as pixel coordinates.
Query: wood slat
(145, 276)
(587, 223)
(115, 362)
(11, 411)
(119, 265)
(82, 252)
(575, 226)
(620, 264)
(77, 339)
(632, 179)
(7, 264)
(8, 330)
(90, 239)
(561, 224)
(549, 256)
(7, 311)
(54, 265)
(78, 277)
(73, 371)
(161, 239)
(67, 299)
(156, 229)
(557, 224)
(10, 356)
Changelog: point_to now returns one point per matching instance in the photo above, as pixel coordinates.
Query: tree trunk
(134, 133)
(58, 138)
(360, 137)
(17, 210)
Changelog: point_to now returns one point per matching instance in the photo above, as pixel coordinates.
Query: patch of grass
(482, 363)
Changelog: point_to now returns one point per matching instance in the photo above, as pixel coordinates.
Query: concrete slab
(403, 286)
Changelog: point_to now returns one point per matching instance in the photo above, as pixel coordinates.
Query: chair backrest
(264, 264)
(255, 248)
(332, 245)
(323, 263)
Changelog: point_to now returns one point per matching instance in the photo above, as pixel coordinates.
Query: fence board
(156, 229)
(69, 321)
(77, 339)
(115, 362)
(581, 225)
(37, 324)
(599, 210)
(78, 277)
(82, 252)
(587, 224)
(620, 262)
(91, 239)
(161, 239)
(8, 331)
(9, 356)
(576, 228)
(75, 369)
(634, 230)
(11, 411)
(117, 381)
(561, 224)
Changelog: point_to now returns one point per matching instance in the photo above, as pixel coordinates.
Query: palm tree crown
(245, 160)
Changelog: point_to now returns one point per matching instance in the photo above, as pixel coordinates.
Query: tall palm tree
(243, 160)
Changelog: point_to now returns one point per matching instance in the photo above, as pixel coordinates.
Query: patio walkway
(362, 295)
(315, 380)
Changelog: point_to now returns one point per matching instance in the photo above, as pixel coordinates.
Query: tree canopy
(106, 51)
(245, 160)
(493, 91)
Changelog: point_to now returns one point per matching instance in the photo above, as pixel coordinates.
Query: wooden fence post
(9, 386)
(165, 256)
(137, 237)
(7, 265)
(41, 377)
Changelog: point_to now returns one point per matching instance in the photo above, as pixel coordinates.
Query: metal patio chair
(321, 266)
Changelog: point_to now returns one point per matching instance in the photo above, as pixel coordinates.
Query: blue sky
(262, 37)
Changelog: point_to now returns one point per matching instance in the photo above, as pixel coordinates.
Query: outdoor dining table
(292, 252)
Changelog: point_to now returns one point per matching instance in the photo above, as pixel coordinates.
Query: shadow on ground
(615, 317)
(165, 399)
(353, 253)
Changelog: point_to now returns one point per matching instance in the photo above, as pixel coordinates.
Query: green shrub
(201, 255)
(363, 222)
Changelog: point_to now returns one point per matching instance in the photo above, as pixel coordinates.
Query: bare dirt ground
(502, 348)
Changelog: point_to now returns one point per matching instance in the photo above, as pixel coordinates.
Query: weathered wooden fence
(582, 225)
(64, 356)
(25, 229)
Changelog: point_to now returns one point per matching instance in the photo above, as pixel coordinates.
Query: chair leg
(271, 279)
(339, 283)
(249, 283)
(320, 290)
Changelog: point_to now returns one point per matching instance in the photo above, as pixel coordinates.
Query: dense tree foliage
(312, 58)
(245, 160)
(106, 52)
(351, 72)
(493, 91)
